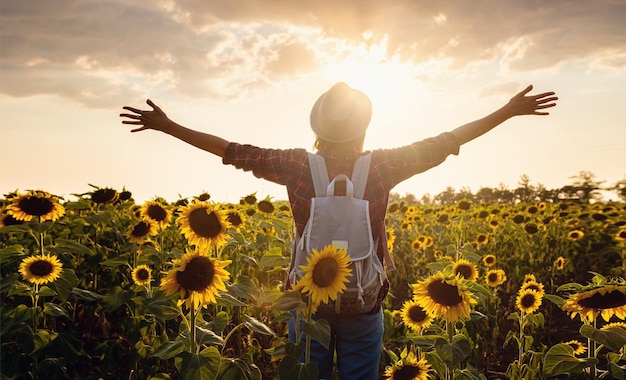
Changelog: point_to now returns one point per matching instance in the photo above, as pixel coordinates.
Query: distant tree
(620, 189)
(584, 189)
(446, 197)
(526, 192)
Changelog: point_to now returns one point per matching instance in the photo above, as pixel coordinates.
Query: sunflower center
(234, 219)
(143, 274)
(325, 272)
(266, 207)
(444, 293)
(157, 213)
(104, 195)
(204, 224)
(528, 300)
(464, 270)
(198, 274)
(407, 372)
(492, 277)
(609, 300)
(36, 206)
(41, 268)
(417, 314)
(141, 229)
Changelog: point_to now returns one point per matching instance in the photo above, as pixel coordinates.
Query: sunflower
(142, 275)
(7, 219)
(203, 224)
(141, 231)
(465, 269)
(606, 300)
(621, 235)
(559, 263)
(414, 316)
(42, 269)
(235, 219)
(495, 277)
(614, 324)
(482, 239)
(489, 260)
(531, 228)
(250, 199)
(416, 245)
(443, 296)
(426, 241)
(528, 301)
(529, 277)
(575, 235)
(391, 238)
(197, 278)
(578, 347)
(533, 285)
(35, 203)
(326, 274)
(519, 219)
(463, 205)
(408, 368)
(105, 195)
(156, 211)
(493, 223)
(265, 206)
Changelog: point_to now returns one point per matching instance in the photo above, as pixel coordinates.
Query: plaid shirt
(389, 167)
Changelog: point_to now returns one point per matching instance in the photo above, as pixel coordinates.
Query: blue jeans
(357, 339)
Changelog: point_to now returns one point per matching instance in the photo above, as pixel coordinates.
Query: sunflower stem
(192, 330)
(307, 350)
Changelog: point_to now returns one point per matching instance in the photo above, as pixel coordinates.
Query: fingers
(132, 109)
(151, 104)
(527, 90)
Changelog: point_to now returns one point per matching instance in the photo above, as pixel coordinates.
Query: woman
(339, 119)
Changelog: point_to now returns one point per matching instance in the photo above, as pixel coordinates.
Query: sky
(249, 72)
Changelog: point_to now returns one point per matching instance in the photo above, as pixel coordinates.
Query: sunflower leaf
(558, 301)
(226, 299)
(319, 331)
(55, 310)
(241, 368)
(10, 252)
(258, 326)
(169, 349)
(290, 300)
(455, 352)
(197, 367)
(274, 258)
(65, 284)
(612, 337)
(560, 359)
(291, 369)
(616, 371)
(244, 288)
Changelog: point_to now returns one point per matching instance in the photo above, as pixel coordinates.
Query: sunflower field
(101, 287)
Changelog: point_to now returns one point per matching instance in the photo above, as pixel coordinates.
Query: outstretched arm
(520, 104)
(158, 120)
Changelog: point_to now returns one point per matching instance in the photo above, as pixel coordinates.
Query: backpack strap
(319, 174)
(359, 175)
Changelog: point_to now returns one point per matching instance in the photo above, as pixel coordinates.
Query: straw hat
(341, 114)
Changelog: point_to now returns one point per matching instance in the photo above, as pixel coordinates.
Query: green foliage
(95, 321)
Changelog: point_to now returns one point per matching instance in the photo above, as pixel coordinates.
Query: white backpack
(345, 221)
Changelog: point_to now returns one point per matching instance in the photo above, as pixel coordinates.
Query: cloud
(92, 51)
